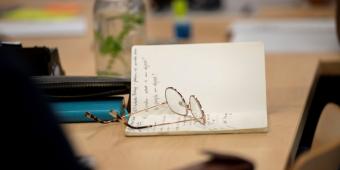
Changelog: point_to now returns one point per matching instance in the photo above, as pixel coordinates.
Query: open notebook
(227, 78)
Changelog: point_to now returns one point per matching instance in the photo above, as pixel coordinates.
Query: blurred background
(100, 33)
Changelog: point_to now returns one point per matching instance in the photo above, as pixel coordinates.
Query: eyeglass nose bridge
(187, 106)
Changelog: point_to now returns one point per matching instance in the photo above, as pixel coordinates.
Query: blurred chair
(326, 158)
(325, 151)
(328, 128)
(325, 90)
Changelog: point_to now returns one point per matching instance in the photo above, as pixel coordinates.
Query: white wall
(235, 6)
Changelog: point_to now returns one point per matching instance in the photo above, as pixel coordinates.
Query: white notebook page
(227, 78)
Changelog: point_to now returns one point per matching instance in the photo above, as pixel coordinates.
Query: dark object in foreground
(220, 161)
(32, 136)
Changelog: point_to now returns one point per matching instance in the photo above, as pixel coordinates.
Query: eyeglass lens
(196, 109)
(175, 101)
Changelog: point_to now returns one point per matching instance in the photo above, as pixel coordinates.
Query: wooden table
(289, 80)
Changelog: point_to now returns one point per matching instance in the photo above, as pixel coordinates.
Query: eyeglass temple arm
(125, 122)
(115, 114)
(169, 123)
(117, 118)
(144, 109)
(147, 126)
(95, 118)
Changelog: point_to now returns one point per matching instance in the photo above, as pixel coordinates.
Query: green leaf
(106, 45)
(116, 48)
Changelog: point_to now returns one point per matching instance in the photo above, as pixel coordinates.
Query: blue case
(73, 111)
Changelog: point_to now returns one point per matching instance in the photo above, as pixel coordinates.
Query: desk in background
(78, 56)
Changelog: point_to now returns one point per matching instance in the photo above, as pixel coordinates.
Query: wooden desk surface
(289, 79)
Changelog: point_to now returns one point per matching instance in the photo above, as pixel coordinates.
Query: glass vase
(119, 24)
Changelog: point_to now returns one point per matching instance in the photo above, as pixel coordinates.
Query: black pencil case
(82, 87)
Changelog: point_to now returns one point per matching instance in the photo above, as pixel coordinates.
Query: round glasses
(177, 104)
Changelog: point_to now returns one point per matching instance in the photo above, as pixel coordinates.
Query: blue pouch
(72, 96)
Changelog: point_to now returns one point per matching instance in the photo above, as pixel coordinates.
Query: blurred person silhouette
(33, 138)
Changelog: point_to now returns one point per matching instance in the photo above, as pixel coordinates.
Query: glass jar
(119, 24)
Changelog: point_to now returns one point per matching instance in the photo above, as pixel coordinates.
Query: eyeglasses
(176, 104)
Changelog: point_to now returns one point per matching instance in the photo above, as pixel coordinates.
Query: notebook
(228, 79)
